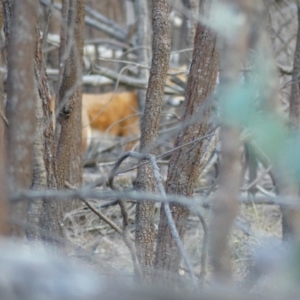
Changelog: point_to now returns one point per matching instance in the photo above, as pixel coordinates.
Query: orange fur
(86, 130)
(113, 113)
(116, 113)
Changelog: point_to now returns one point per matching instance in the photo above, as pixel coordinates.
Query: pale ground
(256, 225)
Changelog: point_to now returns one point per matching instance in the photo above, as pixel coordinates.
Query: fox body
(113, 113)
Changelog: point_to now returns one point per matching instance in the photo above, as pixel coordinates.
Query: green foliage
(242, 105)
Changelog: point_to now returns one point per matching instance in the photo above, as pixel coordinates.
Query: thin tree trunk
(295, 95)
(44, 214)
(289, 186)
(143, 41)
(3, 124)
(54, 27)
(63, 45)
(161, 46)
(21, 99)
(185, 164)
(225, 206)
(7, 4)
(69, 157)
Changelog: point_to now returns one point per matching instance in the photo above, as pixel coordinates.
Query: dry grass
(256, 225)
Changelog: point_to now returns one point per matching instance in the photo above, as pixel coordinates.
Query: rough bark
(44, 214)
(161, 46)
(295, 94)
(20, 106)
(185, 164)
(288, 186)
(143, 41)
(7, 4)
(3, 183)
(62, 49)
(69, 158)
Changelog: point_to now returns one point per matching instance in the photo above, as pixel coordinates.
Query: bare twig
(204, 248)
(129, 81)
(86, 192)
(254, 182)
(128, 240)
(161, 190)
(174, 149)
(125, 233)
(95, 211)
(4, 118)
(284, 69)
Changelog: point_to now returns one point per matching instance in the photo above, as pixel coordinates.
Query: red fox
(113, 113)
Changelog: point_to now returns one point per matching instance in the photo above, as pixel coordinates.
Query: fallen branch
(105, 25)
(106, 20)
(131, 82)
(94, 80)
(284, 69)
(86, 192)
(95, 211)
(105, 29)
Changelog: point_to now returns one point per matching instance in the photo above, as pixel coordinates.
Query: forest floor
(257, 225)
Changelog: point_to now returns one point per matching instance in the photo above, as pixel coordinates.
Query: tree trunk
(69, 157)
(225, 207)
(290, 187)
(295, 95)
(185, 164)
(54, 27)
(143, 35)
(161, 46)
(3, 182)
(44, 214)
(7, 4)
(21, 99)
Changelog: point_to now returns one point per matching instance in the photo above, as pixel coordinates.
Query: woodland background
(206, 205)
